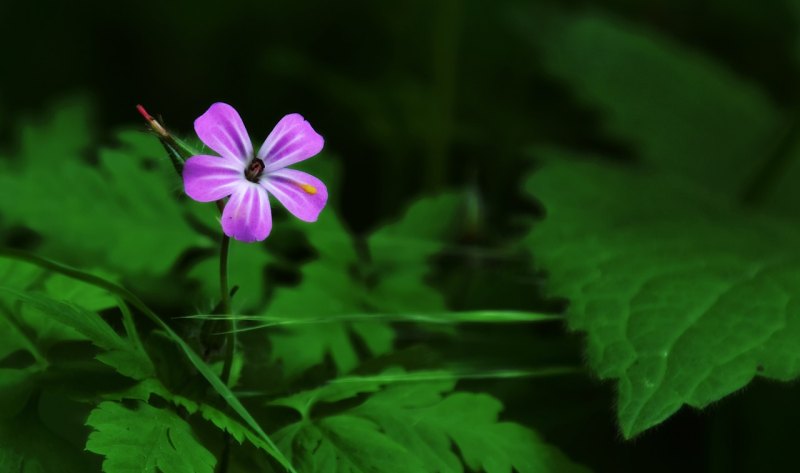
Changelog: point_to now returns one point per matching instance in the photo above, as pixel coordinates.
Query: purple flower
(249, 178)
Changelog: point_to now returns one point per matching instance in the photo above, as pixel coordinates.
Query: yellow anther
(308, 188)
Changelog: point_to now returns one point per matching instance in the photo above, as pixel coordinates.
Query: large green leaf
(122, 213)
(684, 298)
(421, 420)
(145, 439)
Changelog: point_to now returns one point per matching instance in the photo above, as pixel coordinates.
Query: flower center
(254, 170)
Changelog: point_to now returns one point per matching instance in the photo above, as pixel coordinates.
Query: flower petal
(302, 194)
(222, 130)
(247, 216)
(291, 140)
(209, 178)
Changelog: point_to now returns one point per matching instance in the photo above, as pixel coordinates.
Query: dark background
(415, 97)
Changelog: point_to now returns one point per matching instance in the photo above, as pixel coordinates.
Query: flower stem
(230, 343)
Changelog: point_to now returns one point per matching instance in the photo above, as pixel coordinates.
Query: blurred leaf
(679, 109)
(122, 355)
(246, 268)
(29, 446)
(341, 281)
(419, 420)
(684, 298)
(145, 439)
(399, 252)
(25, 328)
(202, 367)
(123, 213)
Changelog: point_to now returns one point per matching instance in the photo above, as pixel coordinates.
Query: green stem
(230, 343)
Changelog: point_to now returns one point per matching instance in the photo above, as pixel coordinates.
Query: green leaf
(676, 107)
(344, 444)
(144, 389)
(400, 251)
(423, 420)
(202, 367)
(246, 265)
(684, 298)
(326, 289)
(28, 445)
(25, 328)
(121, 354)
(391, 280)
(123, 214)
(145, 439)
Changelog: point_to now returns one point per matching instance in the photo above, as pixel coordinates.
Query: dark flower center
(254, 170)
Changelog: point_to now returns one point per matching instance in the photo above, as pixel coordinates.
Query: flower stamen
(254, 170)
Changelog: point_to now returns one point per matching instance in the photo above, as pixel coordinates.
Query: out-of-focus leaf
(340, 282)
(145, 439)
(27, 445)
(679, 109)
(122, 214)
(24, 328)
(246, 265)
(121, 354)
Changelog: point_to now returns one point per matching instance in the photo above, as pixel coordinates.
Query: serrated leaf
(678, 108)
(683, 297)
(122, 213)
(422, 419)
(146, 439)
(144, 389)
(425, 421)
(394, 282)
(344, 444)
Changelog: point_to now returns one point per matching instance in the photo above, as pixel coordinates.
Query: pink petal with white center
(210, 178)
(247, 215)
(222, 130)
(291, 140)
(302, 194)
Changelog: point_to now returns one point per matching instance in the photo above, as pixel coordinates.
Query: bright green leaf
(344, 444)
(123, 212)
(146, 439)
(422, 418)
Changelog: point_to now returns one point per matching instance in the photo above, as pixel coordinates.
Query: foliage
(559, 234)
(151, 395)
(685, 294)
